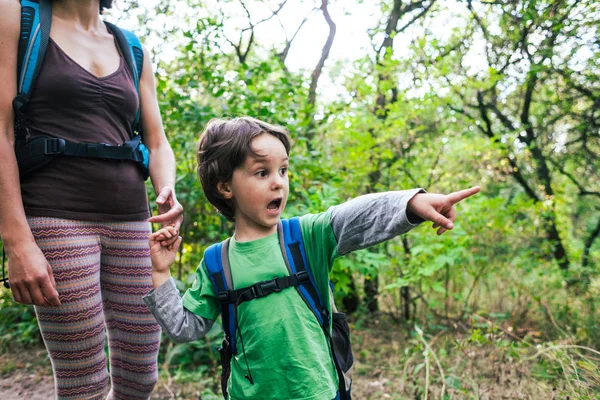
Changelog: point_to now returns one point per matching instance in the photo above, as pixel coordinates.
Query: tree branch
(515, 170)
(288, 42)
(433, 167)
(398, 12)
(530, 86)
(585, 262)
(416, 17)
(316, 74)
(243, 54)
(582, 190)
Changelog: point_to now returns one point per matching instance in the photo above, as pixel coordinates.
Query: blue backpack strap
(294, 255)
(36, 19)
(133, 52)
(215, 258)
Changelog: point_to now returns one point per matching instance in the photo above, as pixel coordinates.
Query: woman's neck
(84, 13)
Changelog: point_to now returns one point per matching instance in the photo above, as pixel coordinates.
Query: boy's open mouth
(275, 204)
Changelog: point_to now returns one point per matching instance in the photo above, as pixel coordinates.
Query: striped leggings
(102, 270)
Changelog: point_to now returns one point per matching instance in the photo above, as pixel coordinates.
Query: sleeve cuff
(162, 294)
(414, 219)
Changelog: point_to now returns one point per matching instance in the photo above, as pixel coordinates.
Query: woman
(76, 230)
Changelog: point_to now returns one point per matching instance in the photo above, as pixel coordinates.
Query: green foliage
(201, 354)
(449, 112)
(18, 324)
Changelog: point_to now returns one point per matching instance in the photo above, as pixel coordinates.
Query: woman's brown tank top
(71, 103)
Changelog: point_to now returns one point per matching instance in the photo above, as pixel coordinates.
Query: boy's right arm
(28, 270)
(180, 324)
(164, 301)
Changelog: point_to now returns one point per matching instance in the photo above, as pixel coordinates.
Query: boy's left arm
(374, 218)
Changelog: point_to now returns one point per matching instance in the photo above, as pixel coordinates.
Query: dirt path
(25, 375)
(382, 371)
(22, 386)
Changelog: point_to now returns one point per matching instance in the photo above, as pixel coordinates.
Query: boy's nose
(278, 182)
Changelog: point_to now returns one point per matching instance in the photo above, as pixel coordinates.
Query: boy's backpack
(292, 246)
(36, 20)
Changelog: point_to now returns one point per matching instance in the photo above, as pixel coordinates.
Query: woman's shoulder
(10, 19)
(10, 28)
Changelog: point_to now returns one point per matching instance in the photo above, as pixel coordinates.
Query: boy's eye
(261, 173)
(283, 171)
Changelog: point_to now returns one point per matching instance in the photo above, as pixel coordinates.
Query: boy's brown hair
(224, 146)
(105, 4)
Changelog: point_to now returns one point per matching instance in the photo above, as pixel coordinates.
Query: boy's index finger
(455, 197)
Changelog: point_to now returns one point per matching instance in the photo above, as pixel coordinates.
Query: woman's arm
(29, 273)
(162, 160)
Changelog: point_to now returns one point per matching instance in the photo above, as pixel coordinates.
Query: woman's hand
(30, 276)
(171, 212)
(439, 208)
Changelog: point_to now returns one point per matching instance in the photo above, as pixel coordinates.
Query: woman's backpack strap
(133, 52)
(36, 20)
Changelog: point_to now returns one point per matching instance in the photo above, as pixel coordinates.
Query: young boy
(243, 167)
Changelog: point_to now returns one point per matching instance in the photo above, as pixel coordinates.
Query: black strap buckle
(19, 103)
(223, 297)
(302, 277)
(54, 146)
(265, 288)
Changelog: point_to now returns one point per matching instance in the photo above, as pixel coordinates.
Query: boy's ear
(225, 190)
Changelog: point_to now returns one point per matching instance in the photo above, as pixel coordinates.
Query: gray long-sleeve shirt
(356, 224)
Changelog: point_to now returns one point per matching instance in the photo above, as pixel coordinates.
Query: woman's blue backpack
(36, 20)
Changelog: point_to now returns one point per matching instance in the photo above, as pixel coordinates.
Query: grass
(404, 362)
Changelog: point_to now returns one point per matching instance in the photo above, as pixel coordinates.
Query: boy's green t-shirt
(287, 352)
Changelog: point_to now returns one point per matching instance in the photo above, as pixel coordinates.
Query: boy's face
(259, 188)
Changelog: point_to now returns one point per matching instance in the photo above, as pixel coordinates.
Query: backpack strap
(36, 153)
(294, 255)
(133, 52)
(36, 20)
(263, 289)
(219, 271)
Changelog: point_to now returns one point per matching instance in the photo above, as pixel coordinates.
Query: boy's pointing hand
(439, 208)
